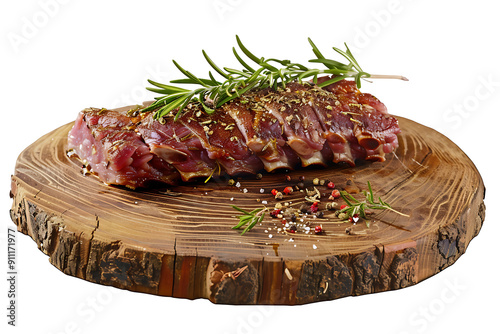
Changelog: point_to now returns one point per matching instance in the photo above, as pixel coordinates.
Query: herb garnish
(352, 211)
(270, 72)
(251, 218)
(356, 209)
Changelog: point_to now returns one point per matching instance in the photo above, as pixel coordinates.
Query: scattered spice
(171, 193)
(332, 205)
(343, 216)
(351, 187)
(314, 207)
(295, 219)
(275, 213)
(335, 194)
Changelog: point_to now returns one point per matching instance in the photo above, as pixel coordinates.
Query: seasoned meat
(106, 141)
(300, 124)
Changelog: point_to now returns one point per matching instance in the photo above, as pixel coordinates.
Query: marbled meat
(265, 129)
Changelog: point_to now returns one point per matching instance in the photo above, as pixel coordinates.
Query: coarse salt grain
(314, 246)
(261, 190)
(264, 202)
(270, 235)
(245, 190)
(238, 184)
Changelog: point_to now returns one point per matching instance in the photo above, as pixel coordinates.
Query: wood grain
(152, 242)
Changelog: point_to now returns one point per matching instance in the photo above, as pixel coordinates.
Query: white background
(59, 57)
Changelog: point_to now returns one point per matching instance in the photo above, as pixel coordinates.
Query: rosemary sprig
(356, 208)
(251, 218)
(270, 72)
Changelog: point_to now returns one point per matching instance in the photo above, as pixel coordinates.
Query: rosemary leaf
(355, 207)
(251, 218)
(271, 72)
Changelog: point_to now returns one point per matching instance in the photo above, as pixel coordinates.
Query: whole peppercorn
(275, 213)
(288, 190)
(314, 207)
(335, 193)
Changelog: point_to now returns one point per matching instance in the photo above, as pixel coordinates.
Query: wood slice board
(152, 242)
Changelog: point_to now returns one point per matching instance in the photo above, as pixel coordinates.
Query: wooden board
(183, 246)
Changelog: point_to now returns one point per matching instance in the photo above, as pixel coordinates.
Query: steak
(266, 129)
(108, 145)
